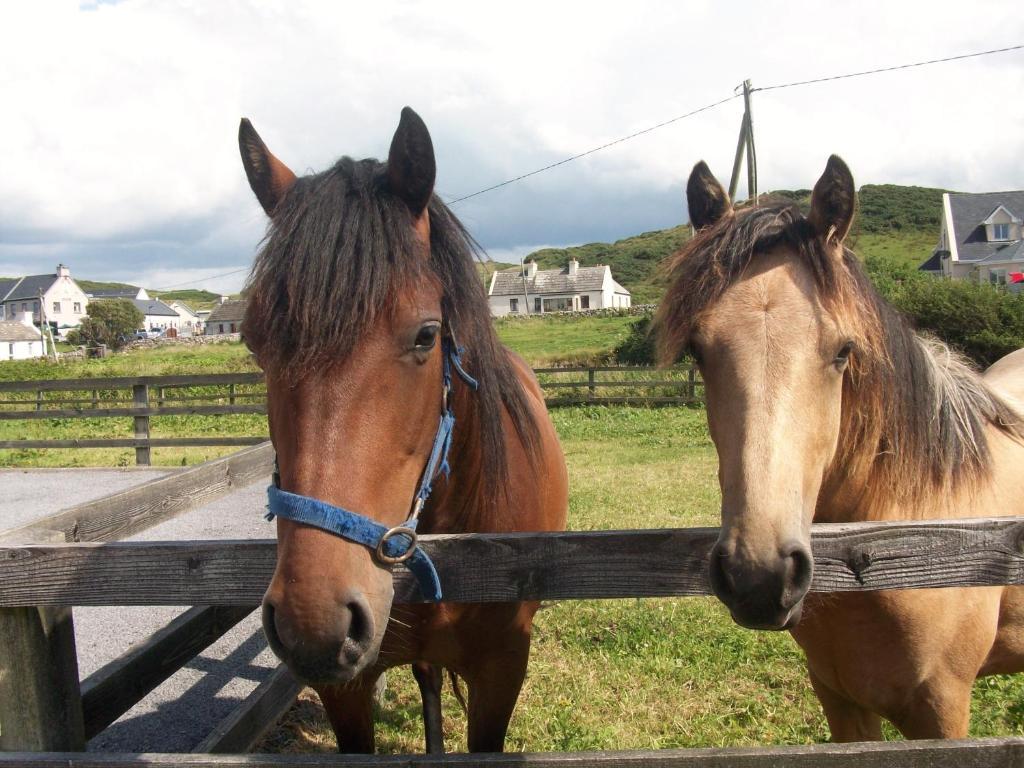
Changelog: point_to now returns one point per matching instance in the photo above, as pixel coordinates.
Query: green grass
(563, 339)
(640, 674)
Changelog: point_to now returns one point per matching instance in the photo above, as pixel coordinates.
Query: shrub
(109, 322)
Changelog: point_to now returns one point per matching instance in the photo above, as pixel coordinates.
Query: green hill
(195, 298)
(893, 222)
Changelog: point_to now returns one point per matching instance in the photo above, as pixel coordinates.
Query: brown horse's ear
(269, 178)
(706, 198)
(411, 167)
(833, 202)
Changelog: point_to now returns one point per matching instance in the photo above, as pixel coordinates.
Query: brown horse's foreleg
(939, 709)
(350, 710)
(494, 680)
(846, 720)
(428, 677)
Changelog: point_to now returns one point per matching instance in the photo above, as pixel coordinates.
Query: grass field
(639, 674)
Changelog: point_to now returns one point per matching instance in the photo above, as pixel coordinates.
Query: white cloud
(120, 121)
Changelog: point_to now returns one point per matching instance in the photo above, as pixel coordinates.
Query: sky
(118, 134)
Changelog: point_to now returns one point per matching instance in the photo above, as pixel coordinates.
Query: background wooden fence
(71, 558)
(222, 394)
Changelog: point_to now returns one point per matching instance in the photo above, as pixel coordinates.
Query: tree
(110, 322)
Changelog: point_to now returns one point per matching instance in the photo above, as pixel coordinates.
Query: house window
(221, 326)
(56, 307)
(997, 276)
(584, 302)
(78, 308)
(513, 305)
(536, 304)
(10, 350)
(24, 306)
(35, 307)
(233, 328)
(1000, 231)
(560, 304)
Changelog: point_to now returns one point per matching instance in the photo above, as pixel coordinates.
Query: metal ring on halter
(397, 530)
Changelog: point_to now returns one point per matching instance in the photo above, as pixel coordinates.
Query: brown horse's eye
(427, 337)
(843, 355)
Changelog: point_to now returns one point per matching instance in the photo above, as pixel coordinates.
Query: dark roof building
(226, 317)
(980, 237)
(571, 288)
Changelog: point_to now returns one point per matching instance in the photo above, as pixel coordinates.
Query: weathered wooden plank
(126, 382)
(134, 510)
(132, 442)
(968, 753)
(521, 566)
(241, 730)
(40, 704)
(118, 686)
(138, 411)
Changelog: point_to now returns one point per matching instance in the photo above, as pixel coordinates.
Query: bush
(109, 322)
(638, 347)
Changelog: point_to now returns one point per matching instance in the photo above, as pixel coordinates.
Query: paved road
(180, 713)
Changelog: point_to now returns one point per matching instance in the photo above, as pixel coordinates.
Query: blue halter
(389, 545)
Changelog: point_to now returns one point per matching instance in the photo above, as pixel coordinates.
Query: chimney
(573, 267)
(63, 271)
(531, 268)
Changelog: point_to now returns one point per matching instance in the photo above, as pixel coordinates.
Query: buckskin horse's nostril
(799, 568)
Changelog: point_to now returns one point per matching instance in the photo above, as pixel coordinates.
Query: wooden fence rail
(142, 398)
(573, 565)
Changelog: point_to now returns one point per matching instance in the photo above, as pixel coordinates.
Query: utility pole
(526, 291)
(745, 146)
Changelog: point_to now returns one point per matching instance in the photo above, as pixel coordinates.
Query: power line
(595, 149)
(890, 69)
(200, 280)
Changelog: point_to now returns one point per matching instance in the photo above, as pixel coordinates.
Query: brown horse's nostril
(799, 568)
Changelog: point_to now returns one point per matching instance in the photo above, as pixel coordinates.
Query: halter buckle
(398, 530)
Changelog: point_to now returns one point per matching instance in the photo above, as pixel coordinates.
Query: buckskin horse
(825, 406)
(393, 410)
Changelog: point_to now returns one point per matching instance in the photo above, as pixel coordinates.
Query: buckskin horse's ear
(411, 166)
(706, 198)
(833, 202)
(269, 178)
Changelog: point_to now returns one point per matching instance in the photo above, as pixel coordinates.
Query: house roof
(228, 312)
(14, 330)
(30, 286)
(176, 305)
(153, 307)
(6, 284)
(969, 212)
(509, 282)
(114, 293)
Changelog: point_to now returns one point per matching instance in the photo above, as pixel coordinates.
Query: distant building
(189, 322)
(225, 317)
(980, 239)
(20, 339)
(63, 301)
(569, 289)
(156, 315)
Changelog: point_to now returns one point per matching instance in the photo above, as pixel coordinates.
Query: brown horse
(825, 406)
(355, 298)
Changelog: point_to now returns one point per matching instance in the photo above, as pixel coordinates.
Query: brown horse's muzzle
(332, 645)
(762, 595)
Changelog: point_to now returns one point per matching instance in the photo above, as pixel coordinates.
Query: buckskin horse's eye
(427, 337)
(843, 355)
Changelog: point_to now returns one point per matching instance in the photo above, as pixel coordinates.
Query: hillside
(196, 299)
(893, 222)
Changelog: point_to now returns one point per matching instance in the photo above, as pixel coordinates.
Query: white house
(226, 317)
(189, 322)
(63, 301)
(980, 238)
(156, 315)
(572, 288)
(20, 339)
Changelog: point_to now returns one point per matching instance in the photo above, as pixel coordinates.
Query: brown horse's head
(757, 298)
(361, 274)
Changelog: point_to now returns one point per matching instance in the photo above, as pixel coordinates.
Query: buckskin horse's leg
(847, 721)
(350, 710)
(428, 677)
(494, 677)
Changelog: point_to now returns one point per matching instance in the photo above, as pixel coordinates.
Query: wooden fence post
(95, 398)
(159, 397)
(691, 383)
(39, 399)
(590, 383)
(231, 394)
(40, 701)
(140, 396)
